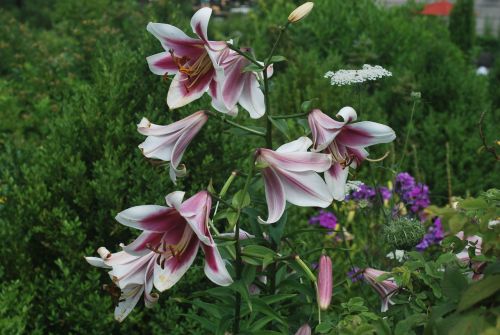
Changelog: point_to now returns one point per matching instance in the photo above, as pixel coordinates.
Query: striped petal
(275, 196)
(152, 218)
(196, 211)
(336, 178)
(172, 38)
(162, 63)
(175, 267)
(297, 161)
(365, 133)
(305, 188)
(215, 269)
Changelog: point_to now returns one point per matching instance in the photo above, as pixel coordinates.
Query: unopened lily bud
(304, 330)
(324, 290)
(300, 12)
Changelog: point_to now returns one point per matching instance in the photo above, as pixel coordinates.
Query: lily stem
(237, 125)
(408, 132)
(239, 261)
(269, 137)
(244, 54)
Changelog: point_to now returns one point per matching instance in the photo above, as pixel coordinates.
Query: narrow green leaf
(242, 289)
(278, 58)
(252, 68)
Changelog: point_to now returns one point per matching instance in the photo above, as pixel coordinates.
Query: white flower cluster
(347, 77)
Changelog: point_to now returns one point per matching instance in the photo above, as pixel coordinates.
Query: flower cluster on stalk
(304, 172)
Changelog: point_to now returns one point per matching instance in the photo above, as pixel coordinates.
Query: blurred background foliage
(74, 82)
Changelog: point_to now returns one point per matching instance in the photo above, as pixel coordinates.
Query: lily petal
(152, 218)
(180, 94)
(348, 114)
(174, 199)
(162, 63)
(175, 267)
(275, 196)
(128, 299)
(365, 133)
(299, 145)
(172, 38)
(199, 22)
(336, 178)
(252, 98)
(305, 188)
(215, 269)
(183, 141)
(323, 129)
(196, 211)
(297, 161)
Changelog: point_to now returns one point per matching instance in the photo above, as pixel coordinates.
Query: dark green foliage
(463, 25)
(74, 82)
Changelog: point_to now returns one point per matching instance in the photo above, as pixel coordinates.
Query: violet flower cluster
(433, 236)
(414, 195)
(368, 193)
(324, 219)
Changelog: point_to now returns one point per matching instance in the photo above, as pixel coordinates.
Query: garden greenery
(405, 256)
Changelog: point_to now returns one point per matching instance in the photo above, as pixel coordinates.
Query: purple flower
(355, 274)
(385, 192)
(364, 192)
(434, 235)
(404, 183)
(414, 195)
(324, 219)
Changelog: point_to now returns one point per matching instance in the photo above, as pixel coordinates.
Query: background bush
(74, 82)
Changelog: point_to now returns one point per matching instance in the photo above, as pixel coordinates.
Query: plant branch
(244, 54)
(237, 125)
(239, 262)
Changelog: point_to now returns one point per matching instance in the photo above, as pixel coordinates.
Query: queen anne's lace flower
(348, 77)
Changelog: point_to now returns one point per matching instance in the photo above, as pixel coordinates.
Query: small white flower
(493, 223)
(400, 255)
(348, 77)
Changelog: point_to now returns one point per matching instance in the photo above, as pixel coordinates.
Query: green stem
(269, 138)
(239, 261)
(273, 49)
(244, 54)
(290, 116)
(216, 197)
(410, 127)
(237, 125)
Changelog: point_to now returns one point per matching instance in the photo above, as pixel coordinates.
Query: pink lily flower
(193, 61)
(325, 281)
(132, 274)
(386, 288)
(174, 233)
(290, 173)
(346, 142)
(168, 143)
(238, 86)
(463, 256)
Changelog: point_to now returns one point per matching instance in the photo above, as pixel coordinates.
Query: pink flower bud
(304, 330)
(324, 290)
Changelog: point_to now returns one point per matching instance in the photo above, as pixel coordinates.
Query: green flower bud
(403, 233)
